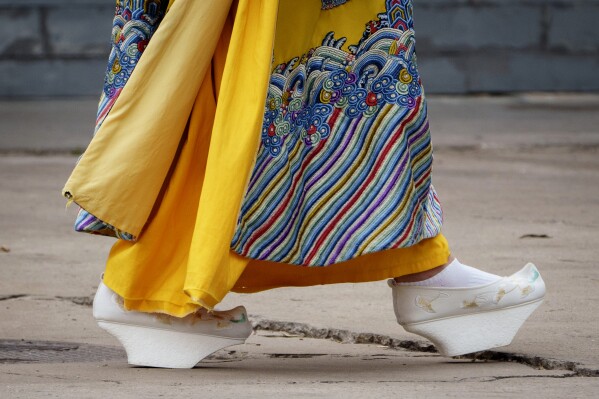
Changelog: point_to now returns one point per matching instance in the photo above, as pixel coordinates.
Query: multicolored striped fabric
(344, 166)
(135, 21)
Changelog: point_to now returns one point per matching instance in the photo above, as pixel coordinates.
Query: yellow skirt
(171, 161)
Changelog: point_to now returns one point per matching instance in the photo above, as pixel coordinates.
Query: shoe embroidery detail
(478, 300)
(502, 292)
(526, 290)
(530, 286)
(243, 319)
(426, 303)
(489, 297)
(526, 285)
(223, 320)
(534, 275)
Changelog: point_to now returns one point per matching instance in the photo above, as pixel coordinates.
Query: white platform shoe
(472, 319)
(158, 340)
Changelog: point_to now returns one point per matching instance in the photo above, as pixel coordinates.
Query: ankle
(415, 277)
(454, 274)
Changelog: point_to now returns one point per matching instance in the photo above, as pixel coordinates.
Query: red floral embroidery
(141, 46)
(371, 99)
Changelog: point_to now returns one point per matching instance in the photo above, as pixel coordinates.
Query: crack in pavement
(452, 381)
(346, 336)
(8, 297)
(113, 381)
(351, 337)
(78, 300)
(505, 377)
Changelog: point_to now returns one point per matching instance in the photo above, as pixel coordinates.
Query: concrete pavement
(519, 181)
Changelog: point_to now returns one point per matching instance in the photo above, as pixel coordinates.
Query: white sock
(457, 275)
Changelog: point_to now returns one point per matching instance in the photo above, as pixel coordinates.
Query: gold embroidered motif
(503, 291)
(500, 294)
(478, 300)
(527, 290)
(426, 303)
(471, 304)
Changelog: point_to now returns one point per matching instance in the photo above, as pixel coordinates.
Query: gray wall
(508, 45)
(53, 47)
(59, 47)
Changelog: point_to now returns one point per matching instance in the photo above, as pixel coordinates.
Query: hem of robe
(120, 175)
(260, 275)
